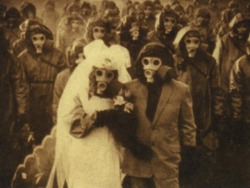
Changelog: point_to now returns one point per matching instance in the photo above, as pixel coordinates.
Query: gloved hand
(106, 117)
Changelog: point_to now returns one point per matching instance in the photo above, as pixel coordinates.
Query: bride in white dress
(92, 161)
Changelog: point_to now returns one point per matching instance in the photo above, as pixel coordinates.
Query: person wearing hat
(50, 16)
(42, 62)
(86, 11)
(13, 110)
(149, 16)
(13, 19)
(228, 49)
(163, 109)
(166, 28)
(133, 37)
(28, 11)
(240, 93)
(97, 29)
(202, 20)
(199, 71)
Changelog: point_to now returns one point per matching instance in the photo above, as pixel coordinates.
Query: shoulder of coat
(179, 85)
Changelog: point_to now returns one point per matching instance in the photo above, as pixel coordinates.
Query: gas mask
(134, 31)
(202, 21)
(75, 25)
(169, 23)
(38, 41)
(150, 66)
(148, 11)
(85, 11)
(242, 30)
(98, 32)
(103, 79)
(192, 43)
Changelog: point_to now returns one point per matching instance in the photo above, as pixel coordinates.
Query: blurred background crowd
(41, 42)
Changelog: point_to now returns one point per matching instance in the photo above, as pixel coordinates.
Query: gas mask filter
(38, 41)
(134, 31)
(98, 32)
(150, 66)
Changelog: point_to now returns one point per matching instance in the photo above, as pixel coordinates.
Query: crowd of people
(154, 94)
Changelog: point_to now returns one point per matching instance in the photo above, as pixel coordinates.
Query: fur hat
(34, 27)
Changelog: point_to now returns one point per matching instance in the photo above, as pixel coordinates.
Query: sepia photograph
(124, 93)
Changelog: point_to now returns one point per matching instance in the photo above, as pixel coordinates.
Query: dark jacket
(201, 74)
(228, 50)
(173, 117)
(13, 93)
(41, 72)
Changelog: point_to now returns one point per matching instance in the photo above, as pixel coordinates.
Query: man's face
(150, 66)
(191, 44)
(75, 24)
(134, 31)
(98, 32)
(148, 10)
(169, 23)
(38, 41)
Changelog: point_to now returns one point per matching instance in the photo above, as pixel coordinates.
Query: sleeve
(217, 98)
(188, 127)
(218, 53)
(20, 87)
(57, 93)
(62, 62)
(236, 90)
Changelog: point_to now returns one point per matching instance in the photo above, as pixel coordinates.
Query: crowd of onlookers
(210, 48)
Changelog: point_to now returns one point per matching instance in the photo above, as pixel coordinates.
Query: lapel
(142, 100)
(166, 92)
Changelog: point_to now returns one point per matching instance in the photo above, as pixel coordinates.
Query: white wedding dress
(92, 161)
